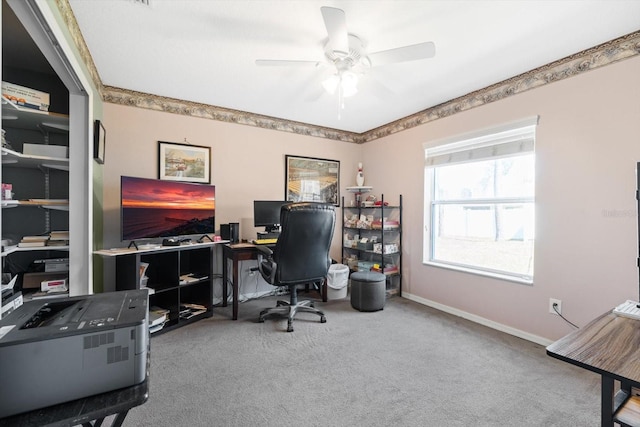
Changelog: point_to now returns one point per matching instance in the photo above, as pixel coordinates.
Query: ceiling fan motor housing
(345, 62)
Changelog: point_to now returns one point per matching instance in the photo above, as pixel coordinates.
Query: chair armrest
(266, 251)
(267, 267)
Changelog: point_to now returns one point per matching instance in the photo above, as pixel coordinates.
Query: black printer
(58, 350)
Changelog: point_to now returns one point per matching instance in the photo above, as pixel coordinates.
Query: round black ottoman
(368, 290)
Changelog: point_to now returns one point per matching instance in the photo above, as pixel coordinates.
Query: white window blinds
(500, 141)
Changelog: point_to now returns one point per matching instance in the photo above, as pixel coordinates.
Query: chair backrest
(302, 250)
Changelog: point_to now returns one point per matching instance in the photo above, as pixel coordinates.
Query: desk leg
(235, 288)
(225, 279)
(606, 401)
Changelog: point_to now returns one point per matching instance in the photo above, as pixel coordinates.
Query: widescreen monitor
(153, 208)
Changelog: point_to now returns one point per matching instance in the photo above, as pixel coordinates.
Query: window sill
(522, 281)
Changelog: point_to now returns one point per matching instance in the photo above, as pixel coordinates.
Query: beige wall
(248, 163)
(587, 146)
(586, 152)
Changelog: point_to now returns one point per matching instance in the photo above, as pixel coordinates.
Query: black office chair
(300, 257)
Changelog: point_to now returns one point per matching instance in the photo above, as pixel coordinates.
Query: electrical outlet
(558, 306)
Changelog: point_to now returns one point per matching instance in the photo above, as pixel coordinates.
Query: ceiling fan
(346, 53)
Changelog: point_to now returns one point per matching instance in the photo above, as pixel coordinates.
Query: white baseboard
(477, 319)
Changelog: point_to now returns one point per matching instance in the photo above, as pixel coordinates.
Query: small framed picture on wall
(99, 140)
(184, 162)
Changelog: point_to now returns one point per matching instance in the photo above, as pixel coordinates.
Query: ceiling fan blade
(403, 54)
(286, 63)
(336, 23)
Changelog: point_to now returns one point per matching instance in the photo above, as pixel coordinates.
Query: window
(479, 211)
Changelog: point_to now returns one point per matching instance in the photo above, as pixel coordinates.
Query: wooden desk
(609, 346)
(237, 252)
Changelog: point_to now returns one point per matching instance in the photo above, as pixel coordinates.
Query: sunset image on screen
(156, 208)
(144, 193)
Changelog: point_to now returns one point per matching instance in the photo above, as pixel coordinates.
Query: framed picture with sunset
(154, 208)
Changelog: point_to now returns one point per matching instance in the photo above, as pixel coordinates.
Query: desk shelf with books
(179, 280)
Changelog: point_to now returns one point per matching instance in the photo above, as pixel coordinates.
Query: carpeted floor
(407, 365)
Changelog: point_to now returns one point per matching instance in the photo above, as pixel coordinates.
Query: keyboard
(264, 241)
(628, 309)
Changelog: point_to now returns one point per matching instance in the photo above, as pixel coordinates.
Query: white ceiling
(205, 51)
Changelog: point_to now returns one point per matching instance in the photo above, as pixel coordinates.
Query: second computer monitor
(266, 213)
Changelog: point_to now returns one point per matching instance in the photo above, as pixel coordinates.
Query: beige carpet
(407, 365)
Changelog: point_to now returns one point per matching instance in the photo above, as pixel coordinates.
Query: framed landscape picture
(184, 162)
(312, 180)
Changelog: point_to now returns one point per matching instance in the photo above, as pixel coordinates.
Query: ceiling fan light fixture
(331, 84)
(347, 81)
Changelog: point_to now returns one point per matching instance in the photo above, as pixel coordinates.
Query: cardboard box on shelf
(34, 280)
(25, 97)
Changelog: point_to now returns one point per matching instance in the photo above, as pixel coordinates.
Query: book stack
(33, 241)
(187, 311)
(158, 316)
(58, 238)
(144, 279)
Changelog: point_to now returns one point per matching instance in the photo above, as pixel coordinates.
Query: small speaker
(230, 232)
(225, 231)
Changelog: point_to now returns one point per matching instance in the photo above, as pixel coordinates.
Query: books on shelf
(158, 316)
(45, 202)
(33, 241)
(38, 238)
(187, 311)
(143, 269)
(58, 238)
(192, 277)
(49, 294)
(54, 238)
(59, 235)
(32, 244)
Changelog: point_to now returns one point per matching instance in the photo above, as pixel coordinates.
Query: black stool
(368, 290)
